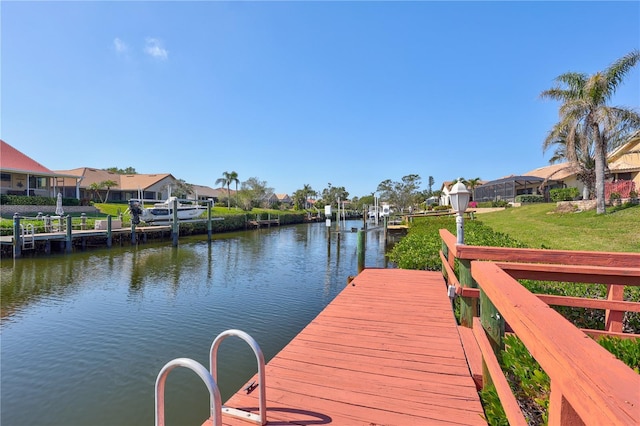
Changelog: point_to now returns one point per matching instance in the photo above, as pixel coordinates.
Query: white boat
(163, 211)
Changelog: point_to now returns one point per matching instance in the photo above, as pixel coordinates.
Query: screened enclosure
(508, 188)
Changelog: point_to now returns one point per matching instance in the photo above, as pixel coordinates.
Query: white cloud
(154, 48)
(120, 46)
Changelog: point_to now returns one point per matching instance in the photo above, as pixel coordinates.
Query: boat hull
(157, 214)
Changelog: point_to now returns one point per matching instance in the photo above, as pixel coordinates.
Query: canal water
(84, 335)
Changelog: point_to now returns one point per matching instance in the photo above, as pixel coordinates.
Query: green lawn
(537, 226)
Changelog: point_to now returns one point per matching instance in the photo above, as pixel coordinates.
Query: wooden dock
(258, 223)
(76, 234)
(386, 351)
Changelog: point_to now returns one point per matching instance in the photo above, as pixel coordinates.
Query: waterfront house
(284, 199)
(204, 193)
(147, 186)
(624, 175)
(22, 175)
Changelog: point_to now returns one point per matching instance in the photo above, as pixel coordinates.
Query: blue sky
(295, 93)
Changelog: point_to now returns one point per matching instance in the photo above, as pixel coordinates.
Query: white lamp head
(459, 195)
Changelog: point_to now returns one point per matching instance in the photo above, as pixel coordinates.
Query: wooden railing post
(613, 319)
(468, 305)
(493, 324)
(560, 411)
(445, 253)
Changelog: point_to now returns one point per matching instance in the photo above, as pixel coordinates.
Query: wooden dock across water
(386, 351)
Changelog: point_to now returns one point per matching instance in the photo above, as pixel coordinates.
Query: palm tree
(472, 184)
(95, 189)
(579, 154)
(108, 184)
(226, 180)
(234, 178)
(307, 191)
(584, 111)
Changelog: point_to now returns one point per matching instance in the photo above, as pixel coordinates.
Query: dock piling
(175, 230)
(109, 234)
(361, 250)
(17, 237)
(68, 240)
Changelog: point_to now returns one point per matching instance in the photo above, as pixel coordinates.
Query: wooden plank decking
(386, 351)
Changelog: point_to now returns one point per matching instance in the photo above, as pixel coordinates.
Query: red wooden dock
(386, 351)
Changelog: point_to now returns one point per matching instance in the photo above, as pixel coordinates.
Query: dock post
(83, 221)
(209, 224)
(17, 237)
(174, 225)
(133, 232)
(386, 234)
(109, 234)
(361, 250)
(68, 244)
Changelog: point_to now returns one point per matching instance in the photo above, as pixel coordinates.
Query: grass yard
(537, 226)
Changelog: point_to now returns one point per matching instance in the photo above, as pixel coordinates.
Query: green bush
(420, 248)
(23, 200)
(626, 350)
(529, 383)
(529, 198)
(564, 194)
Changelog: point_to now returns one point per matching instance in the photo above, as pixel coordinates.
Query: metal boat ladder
(215, 402)
(209, 378)
(28, 239)
(260, 419)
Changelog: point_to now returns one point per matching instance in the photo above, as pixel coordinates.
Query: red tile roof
(15, 161)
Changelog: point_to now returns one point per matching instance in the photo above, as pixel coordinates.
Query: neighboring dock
(258, 223)
(385, 351)
(29, 241)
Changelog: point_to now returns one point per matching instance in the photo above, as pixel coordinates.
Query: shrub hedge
(529, 198)
(23, 200)
(564, 194)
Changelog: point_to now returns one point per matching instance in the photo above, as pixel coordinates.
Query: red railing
(588, 384)
(622, 187)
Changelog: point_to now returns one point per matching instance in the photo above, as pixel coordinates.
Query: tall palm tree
(234, 179)
(579, 154)
(584, 111)
(226, 180)
(307, 191)
(108, 184)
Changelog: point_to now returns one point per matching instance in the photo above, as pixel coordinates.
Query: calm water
(83, 336)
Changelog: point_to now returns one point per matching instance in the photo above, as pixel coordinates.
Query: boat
(163, 211)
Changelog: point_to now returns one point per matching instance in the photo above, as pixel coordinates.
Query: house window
(5, 177)
(37, 182)
(623, 176)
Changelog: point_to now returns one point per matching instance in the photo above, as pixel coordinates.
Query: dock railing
(588, 384)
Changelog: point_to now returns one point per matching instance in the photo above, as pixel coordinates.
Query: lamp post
(459, 195)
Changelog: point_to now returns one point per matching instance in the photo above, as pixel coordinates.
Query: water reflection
(87, 332)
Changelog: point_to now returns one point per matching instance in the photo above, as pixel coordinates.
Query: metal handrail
(259, 419)
(200, 370)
